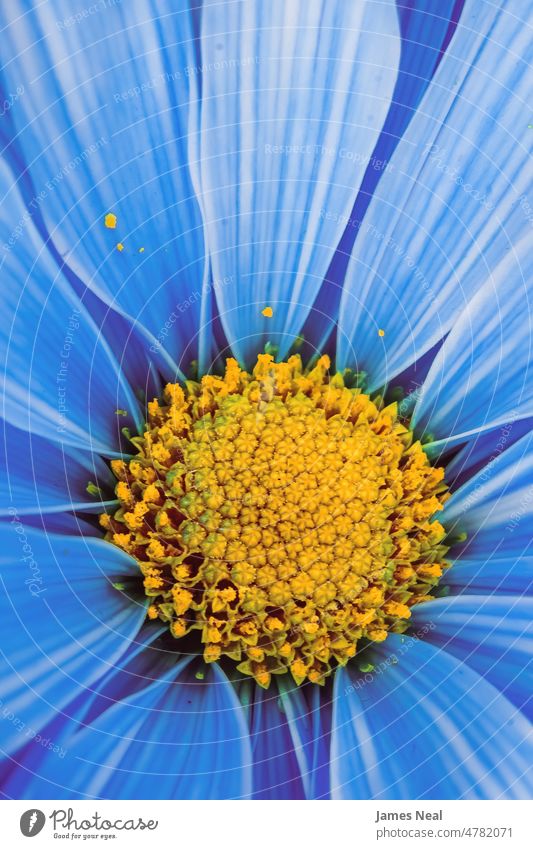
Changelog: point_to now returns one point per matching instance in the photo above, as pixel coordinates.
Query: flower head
(267, 401)
(283, 515)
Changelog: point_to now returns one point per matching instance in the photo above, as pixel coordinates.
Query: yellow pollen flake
(280, 514)
(381, 332)
(110, 220)
(268, 312)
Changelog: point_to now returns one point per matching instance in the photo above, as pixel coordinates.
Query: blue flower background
(363, 169)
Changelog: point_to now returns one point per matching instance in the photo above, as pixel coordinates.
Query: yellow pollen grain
(381, 332)
(155, 549)
(120, 246)
(178, 628)
(151, 493)
(124, 493)
(211, 653)
(119, 468)
(281, 516)
(110, 220)
(122, 540)
(268, 312)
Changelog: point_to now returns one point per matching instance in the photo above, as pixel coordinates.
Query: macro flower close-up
(267, 400)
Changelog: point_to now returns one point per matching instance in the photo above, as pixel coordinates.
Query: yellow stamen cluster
(282, 515)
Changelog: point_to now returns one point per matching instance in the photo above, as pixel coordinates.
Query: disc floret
(281, 515)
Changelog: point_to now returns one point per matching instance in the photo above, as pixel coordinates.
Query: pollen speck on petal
(110, 220)
(268, 312)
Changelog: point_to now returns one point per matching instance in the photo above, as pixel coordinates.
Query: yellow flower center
(282, 515)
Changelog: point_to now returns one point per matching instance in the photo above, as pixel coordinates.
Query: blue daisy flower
(267, 400)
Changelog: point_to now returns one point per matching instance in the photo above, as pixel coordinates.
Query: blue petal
(424, 34)
(63, 623)
(103, 127)
(66, 524)
(510, 575)
(178, 738)
(36, 770)
(60, 379)
(482, 376)
(39, 476)
(276, 766)
(293, 99)
(495, 507)
(424, 28)
(424, 726)
(308, 715)
(492, 635)
(482, 449)
(143, 368)
(145, 661)
(431, 236)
